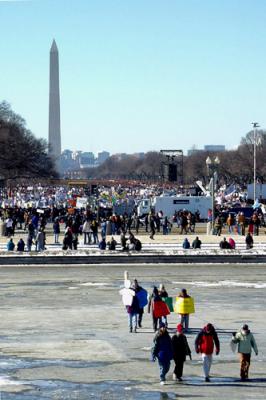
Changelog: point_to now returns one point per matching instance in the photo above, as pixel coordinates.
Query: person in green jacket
(246, 342)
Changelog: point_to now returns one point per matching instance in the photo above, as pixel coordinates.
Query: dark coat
(162, 348)
(180, 347)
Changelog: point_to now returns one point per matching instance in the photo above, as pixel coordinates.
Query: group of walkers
(206, 343)
(166, 348)
(238, 223)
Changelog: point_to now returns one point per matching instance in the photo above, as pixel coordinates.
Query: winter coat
(232, 243)
(205, 342)
(245, 341)
(102, 245)
(10, 245)
(186, 244)
(21, 245)
(151, 302)
(56, 228)
(40, 238)
(196, 244)
(180, 347)
(162, 348)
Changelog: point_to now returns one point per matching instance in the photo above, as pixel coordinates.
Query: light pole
(255, 126)
(212, 167)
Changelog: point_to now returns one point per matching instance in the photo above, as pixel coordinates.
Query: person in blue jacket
(186, 244)
(163, 351)
(10, 245)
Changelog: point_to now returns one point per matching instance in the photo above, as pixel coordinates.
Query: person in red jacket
(204, 344)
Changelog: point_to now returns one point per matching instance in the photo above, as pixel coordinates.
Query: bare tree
(22, 154)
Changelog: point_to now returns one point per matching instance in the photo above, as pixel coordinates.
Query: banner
(184, 305)
(81, 202)
(142, 297)
(169, 302)
(160, 309)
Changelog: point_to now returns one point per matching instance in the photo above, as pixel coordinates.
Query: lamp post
(255, 126)
(212, 167)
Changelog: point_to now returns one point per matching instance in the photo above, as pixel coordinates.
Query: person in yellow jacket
(184, 318)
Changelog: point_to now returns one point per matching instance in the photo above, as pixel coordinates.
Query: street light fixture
(212, 167)
(255, 126)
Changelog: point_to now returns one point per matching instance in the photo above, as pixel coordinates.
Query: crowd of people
(28, 211)
(238, 224)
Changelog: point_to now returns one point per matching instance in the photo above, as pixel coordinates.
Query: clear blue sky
(138, 75)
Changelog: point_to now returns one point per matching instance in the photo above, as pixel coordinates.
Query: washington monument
(54, 106)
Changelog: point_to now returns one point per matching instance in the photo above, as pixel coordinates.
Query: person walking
(163, 294)
(56, 228)
(152, 226)
(157, 307)
(163, 351)
(184, 317)
(230, 222)
(204, 344)
(142, 296)
(86, 230)
(218, 226)
(246, 342)
(40, 240)
(180, 351)
(242, 224)
(133, 312)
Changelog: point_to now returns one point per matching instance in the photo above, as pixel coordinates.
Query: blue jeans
(113, 228)
(164, 368)
(132, 321)
(185, 321)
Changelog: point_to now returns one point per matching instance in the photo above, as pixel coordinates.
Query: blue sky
(138, 75)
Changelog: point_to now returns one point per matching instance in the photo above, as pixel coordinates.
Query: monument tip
(54, 47)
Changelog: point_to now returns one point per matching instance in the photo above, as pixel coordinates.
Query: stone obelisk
(54, 106)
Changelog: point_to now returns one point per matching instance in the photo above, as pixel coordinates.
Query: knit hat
(162, 325)
(245, 327)
(179, 328)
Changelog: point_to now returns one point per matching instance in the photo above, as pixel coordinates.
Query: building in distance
(80, 160)
(208, 148)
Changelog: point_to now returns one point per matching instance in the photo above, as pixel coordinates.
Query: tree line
(22, 155)
(236, 166)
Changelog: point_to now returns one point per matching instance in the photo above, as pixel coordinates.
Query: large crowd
(76, 214)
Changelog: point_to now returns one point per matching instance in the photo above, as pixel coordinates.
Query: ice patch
(227, 283)
(73, 287)
(146, 348)
(93, 284)
(6, 381)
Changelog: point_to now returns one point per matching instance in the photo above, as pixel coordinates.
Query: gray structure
(54, 106)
